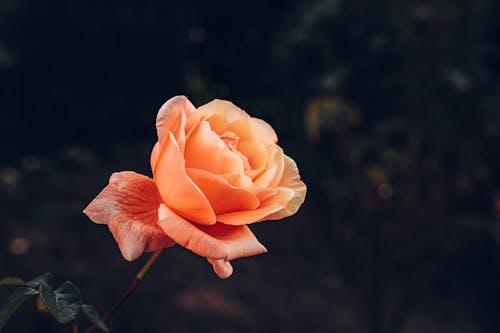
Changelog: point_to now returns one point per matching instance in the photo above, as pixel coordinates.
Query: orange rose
(215, 170)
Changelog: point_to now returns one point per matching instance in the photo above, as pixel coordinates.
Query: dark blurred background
(390, 108)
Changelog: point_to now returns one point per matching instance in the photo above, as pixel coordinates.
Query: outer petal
(178, 191)
(216, 241)
(172, 118)
(129, 206)
(155, 153)
(291, 179)
(272, 205)
(222, 196)
(224, 108)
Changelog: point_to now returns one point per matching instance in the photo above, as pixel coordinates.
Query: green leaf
(47, 279)
(12, 281)
(15, 300)
(64, 303)
(94, 316)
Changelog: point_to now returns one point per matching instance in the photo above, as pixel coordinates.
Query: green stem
(130, 290)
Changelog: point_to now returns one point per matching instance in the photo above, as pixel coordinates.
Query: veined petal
(271, 205)
(222, 196)
(216, 241)
(129, 206)
(291, 179)
(178, 191)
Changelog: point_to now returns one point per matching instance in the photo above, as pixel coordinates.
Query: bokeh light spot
(385, 191)
(19, 246)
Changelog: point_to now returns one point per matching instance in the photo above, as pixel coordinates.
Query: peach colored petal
(154, 155)
(265, 177)
(232, 163)
(272, 205)
(216, 241)
(222, 196)
(274, 169)
(278, 159)
(172, 118)
(253, 129)
(231, 141)
(204, 149)
(129, 206)
(245, 182)
(222, 268)
(218, 123)
(178, 191)
(264, 193)
(239, 180)
(291, 179)
(256, 152)
(224, 108)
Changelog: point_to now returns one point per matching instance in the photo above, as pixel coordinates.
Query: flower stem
(130, 290)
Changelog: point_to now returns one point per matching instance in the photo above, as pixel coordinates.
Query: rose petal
(154, 155)
(178, 191)
(256, 152)
(291, 179)
(222, 268)
(272, 205)
(273, 171)
(204, 149)
(254, 129)
(216, 241)
(222, 196)
(172, 118)
(129, 206)
(278, 159)
(224, 108)
(218, 123)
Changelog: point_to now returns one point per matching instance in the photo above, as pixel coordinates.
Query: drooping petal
(129, 206)
(224, 108)
(172, 118)
(222, 196)
(216, 241)
(222, 267)
(291, 179)
(178, 191)
(272, 205)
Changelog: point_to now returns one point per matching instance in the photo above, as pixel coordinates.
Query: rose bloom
(215, 170)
